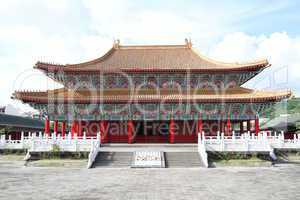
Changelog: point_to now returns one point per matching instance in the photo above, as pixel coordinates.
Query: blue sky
(70, 31)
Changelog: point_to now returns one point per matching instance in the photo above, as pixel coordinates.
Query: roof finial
(188, 42)
(116, 43)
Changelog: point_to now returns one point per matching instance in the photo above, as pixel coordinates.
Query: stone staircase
(182, 160)
(122, 155)
(113, 160)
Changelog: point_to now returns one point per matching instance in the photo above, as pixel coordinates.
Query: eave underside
(237, 95)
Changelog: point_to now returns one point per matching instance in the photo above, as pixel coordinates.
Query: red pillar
(241, 127)
(256, 125)
(79, 128)
(47, 126)
(171, 131)
(248, 125)
(228, 125)
(103, 134)
(74, 129)
(130, 131)
(199, 126)
(55, 127)
(63, 129)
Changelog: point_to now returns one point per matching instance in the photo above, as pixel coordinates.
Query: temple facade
(153, 93)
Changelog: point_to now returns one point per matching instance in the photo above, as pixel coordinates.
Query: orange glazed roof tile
(154, 58)
(238, 94)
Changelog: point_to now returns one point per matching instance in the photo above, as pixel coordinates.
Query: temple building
(152, 94)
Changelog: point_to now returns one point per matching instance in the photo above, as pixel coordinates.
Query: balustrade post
(282, 135)
(84, 135)
(222, 141)
(233, 135)
(70, 136)
(203, 137)
(218, 135)
(22, 136)
(98, 136)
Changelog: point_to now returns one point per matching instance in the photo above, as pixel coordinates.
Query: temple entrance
(151, 131)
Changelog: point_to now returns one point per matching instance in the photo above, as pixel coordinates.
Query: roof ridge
(156, 46)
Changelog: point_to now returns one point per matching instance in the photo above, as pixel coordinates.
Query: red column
(103, 134)
(241, 127)
(256, 125)
(171, 131)
(79, 125)
(130, 131)
(55, 127)
(248, 125)
(63, 129)
(228, 125)
(74, 128)
(47, 126)
(199, 126)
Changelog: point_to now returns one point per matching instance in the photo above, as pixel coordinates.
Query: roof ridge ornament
(116, 43)
(188, 42)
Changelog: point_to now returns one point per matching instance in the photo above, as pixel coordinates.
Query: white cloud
(94, 46)
(134, 23)
(50, 30)
(282, 51)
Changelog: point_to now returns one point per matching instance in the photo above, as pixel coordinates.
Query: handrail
(95, 146)
(202, 150)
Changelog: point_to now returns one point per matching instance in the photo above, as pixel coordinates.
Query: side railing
(202, 150)
(95, 147)
(263, 142)
(38, 142)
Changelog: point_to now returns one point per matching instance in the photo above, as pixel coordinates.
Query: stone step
(124, 159)
(182, 159)
(113, 159)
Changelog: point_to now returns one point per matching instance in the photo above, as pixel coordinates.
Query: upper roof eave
(48, 67)
(195, 62)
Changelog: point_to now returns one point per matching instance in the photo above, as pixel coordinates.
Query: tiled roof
(238, 94)
(154, 58)
(20, 122)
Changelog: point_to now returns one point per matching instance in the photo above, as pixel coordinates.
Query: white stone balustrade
(247, 142)
(220, 142)
(95, 147)
(39, 142)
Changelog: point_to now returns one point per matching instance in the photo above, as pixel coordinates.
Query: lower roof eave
(63, 101)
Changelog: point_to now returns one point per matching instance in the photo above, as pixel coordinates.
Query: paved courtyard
(18, 182)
